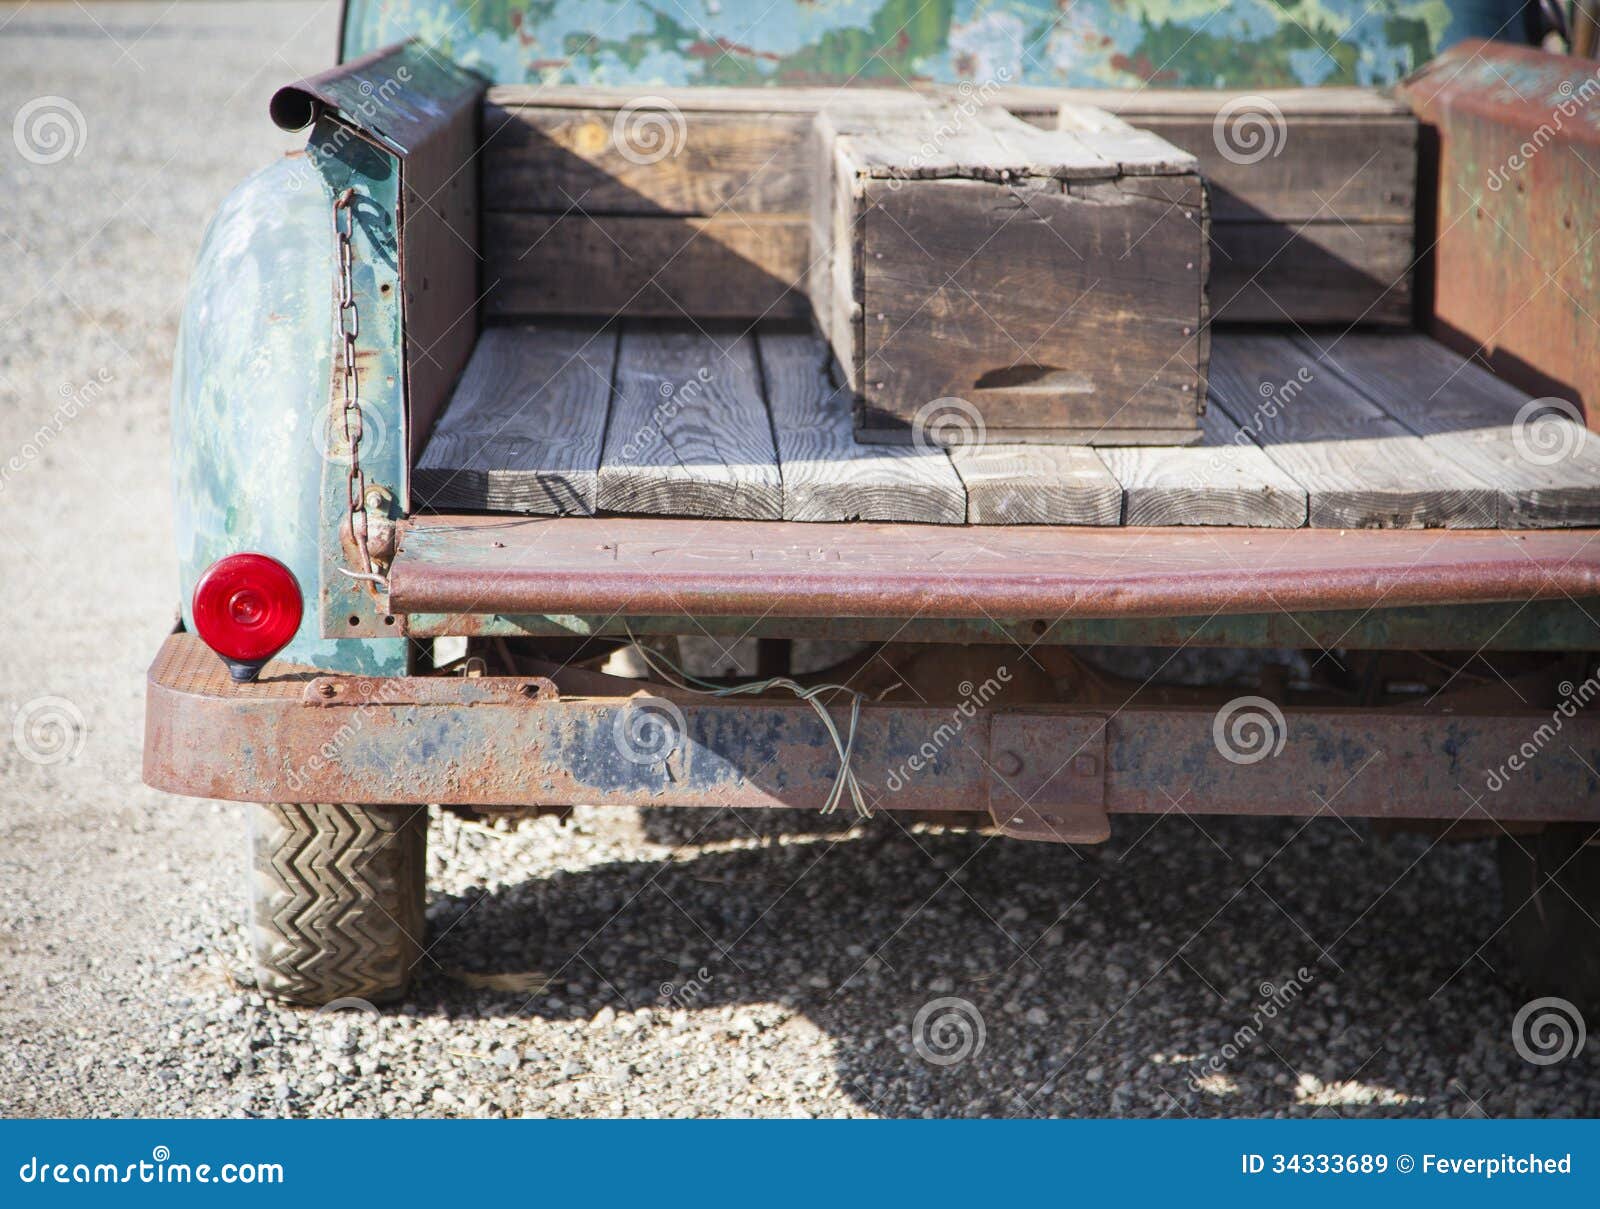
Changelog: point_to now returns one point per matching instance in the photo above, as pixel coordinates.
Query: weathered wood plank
(827, 476)
(833, 274)
(1309, 169)
(1135, 152)
(523, 430)
(689, 433)
(1028, 100)
(1037, 485)
(1225, 480)
(1548, 473)
(730, 266)
(1341, 159)
(691, 100)
(617, 161)
(1132, 104)
(987, 143)
(1360, 467)
(1311, 273)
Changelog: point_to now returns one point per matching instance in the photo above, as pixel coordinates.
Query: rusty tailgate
(645, 565)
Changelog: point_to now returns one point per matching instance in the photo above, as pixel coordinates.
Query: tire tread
(337, 897)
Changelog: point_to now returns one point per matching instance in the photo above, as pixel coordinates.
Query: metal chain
(349, 329)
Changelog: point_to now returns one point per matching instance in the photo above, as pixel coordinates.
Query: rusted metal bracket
(423, 690)
(1048, 777)
(387, 130)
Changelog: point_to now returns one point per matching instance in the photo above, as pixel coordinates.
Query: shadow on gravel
(1257, 966)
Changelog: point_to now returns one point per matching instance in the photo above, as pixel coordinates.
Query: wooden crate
(982, 279)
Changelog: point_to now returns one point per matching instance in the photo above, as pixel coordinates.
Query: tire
(337, 900)
(1550, 888)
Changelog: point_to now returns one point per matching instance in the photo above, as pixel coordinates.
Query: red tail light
(246, 608)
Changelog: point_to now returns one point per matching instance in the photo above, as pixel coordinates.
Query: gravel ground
(621, 964)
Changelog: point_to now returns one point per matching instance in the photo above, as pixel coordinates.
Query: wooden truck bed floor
(646, 417)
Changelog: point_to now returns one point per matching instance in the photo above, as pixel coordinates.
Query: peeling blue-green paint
(1089, 43)
(249, 397)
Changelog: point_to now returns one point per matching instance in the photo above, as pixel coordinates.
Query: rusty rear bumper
(1041, 772)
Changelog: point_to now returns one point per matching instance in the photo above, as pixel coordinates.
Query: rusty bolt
(326, 688)
(1008, 763)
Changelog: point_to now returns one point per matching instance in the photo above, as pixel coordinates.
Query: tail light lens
(246, 608)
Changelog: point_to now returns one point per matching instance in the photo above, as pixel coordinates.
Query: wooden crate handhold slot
(982, 280)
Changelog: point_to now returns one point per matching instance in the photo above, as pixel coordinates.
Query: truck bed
(738, 422)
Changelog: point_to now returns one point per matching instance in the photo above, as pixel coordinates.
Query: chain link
(349, 329)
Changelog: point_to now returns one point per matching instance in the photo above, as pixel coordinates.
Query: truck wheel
(1550, 887)
(337, 899)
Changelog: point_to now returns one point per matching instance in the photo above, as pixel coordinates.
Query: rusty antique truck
(927, 346)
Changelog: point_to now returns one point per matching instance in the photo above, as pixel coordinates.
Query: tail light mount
(246, 608)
